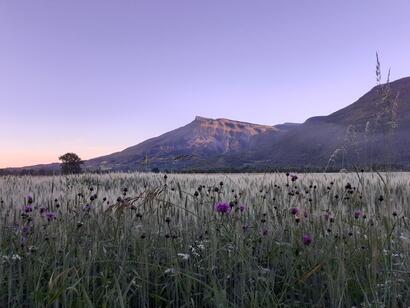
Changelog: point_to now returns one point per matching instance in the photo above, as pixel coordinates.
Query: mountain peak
(200, 119)
(231, 123)
(199, 140)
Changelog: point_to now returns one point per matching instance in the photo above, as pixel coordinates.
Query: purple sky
(96, 76)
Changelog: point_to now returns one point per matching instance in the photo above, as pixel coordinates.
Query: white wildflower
(15, 257)
(184, 256)
(403, 238)
(264, 270)
(170, 271)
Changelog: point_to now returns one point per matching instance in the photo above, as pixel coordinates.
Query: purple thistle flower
(294, 178)
(265, 231)
(51, 216)
(307, 239)
(43, 210)
(28, 208)
(358, 214)
(294, 211)
(242, 207)
(26, 230)
(223, 208)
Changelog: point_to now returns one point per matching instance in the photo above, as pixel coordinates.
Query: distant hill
(374, 130)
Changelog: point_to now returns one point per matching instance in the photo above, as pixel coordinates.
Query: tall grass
(161, 243)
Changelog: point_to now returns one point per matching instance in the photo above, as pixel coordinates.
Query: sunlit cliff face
(223, 133)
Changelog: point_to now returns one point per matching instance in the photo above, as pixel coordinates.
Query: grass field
(237, 240)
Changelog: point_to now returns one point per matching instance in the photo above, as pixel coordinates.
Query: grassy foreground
(239, 240)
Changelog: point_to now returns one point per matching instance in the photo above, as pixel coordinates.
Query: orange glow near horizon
(23, 158)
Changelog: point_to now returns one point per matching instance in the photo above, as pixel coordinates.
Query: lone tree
(70, 163)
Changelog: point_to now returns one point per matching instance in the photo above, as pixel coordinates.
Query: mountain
(202, 143)
(374, 130)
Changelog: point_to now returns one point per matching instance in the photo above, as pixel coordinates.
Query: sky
(94, 77)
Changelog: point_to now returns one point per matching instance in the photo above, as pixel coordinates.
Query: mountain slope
(189, 146)
(370, 131)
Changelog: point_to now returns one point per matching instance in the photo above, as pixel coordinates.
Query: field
(224, 240)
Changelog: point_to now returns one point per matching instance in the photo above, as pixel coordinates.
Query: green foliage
(162, 244)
